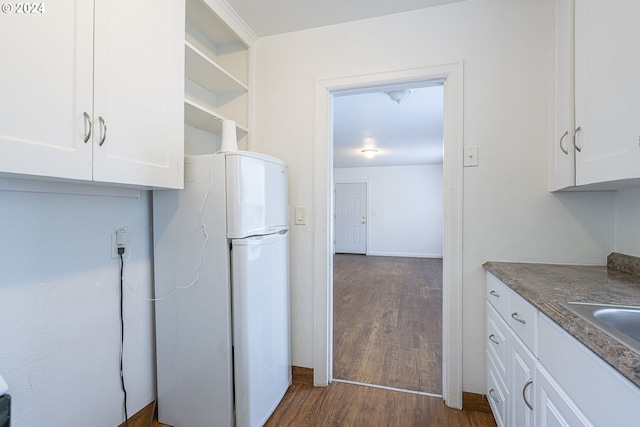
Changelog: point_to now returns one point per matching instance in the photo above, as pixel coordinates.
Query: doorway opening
(387, 170)
(451, 74)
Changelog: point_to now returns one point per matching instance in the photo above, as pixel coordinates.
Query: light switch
(300, 215)
(470, 156)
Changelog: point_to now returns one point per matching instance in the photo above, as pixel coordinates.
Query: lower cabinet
(511, 341)
(498, 394)
(509, 375)
(539, 375)
(521, 370)
(554, 407)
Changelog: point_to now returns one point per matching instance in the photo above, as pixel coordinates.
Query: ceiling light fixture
(369, 153)
(398, 95)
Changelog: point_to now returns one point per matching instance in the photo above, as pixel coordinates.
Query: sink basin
(620, 322)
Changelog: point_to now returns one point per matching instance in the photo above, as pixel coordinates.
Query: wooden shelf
(217, 65)
(207, 120)
(208, 74)
(208, 23)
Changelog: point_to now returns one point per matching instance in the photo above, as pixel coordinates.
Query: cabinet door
(138, 92)
(607, 92)
(563, 153)
(521, 372)
(553, 407)
(46, 87)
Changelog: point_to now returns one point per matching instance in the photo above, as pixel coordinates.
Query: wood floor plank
(349, 405)
(388, 321)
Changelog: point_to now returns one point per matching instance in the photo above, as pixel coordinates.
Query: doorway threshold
(401, 390)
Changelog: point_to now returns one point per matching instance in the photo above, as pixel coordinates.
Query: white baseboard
(405, 255)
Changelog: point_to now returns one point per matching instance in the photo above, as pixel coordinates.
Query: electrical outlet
(114, 247)
(119, 240)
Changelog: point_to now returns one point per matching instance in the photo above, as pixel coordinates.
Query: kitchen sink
(620, 322)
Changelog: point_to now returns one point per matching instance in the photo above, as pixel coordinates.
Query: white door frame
(452, 76)
(354, 181)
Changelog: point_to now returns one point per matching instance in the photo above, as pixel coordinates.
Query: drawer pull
(492, 396)
(88, 119)
(104, 128)
(495, 294)
(515, 317)
(493, 339)
(575, 137)
(564, 135)
(524, 394)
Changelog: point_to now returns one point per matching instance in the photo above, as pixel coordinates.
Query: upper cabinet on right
(597, 104)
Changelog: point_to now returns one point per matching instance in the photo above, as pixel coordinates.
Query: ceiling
(269, 17)
(409, 133)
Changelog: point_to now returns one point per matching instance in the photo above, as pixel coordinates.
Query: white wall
(59, 308)
(628, 222)
(405, 208)
(506, 46)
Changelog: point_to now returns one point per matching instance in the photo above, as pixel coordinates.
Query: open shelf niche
(217, 62)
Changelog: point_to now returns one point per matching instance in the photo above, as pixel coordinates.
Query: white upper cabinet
(95, 92)
(217, 76)
(563, 153)
(597, 95)
(607, 90)
(46, 87)
(138, 91)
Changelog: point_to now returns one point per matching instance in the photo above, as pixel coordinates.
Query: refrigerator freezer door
(260, 293)
(256, 194)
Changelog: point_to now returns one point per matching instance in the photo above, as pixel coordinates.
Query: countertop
(546, 285)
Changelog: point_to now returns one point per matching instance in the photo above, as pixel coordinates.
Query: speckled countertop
(545, 285)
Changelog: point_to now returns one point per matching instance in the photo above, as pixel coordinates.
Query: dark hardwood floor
(388, 321)
(387, 331)
(348, 405)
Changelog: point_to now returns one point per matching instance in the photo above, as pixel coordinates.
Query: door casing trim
(451, 74)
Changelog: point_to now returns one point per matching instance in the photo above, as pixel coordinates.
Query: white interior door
(351, 218)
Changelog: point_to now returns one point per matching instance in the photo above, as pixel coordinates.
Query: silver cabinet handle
(564, 135)
(575, 135)
(494, 294)
(104, 129)
(493, 339)
(88, 119)
(524, 394)
(515, 317)
(492, 396)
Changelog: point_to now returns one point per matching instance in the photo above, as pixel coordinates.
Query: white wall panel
(405, 208)
(59, 304)
(507, 48)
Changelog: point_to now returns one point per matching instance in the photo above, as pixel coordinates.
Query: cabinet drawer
(497, 345)
(497, 394)
(498, 295)
(523, 319)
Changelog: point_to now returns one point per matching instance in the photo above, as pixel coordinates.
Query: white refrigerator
(221, 272)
